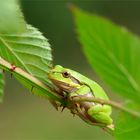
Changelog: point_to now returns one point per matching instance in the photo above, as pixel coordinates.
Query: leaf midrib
(119, 65)
(9, 48)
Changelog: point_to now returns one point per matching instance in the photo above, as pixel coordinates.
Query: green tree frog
(70, 83)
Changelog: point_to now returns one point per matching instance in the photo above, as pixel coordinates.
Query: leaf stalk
(107, 102)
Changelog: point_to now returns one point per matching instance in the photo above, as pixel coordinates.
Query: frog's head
(63, 79)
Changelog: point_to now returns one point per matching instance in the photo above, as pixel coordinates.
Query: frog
(69, 83)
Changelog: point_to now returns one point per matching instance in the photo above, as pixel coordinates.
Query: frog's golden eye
(66, 74)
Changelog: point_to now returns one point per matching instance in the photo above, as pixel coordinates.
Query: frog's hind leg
(100, 114)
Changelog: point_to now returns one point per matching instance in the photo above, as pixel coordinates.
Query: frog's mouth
(64, 86)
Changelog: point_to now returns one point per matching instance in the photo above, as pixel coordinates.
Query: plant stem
(47, 92)
(107, 102)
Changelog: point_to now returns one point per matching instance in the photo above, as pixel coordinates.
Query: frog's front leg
(83, 90)
(101, 113)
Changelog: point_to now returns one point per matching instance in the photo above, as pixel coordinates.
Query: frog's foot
(71, 97)
(100, 114)
(73, 108)
(63, 108)
(64, 98)
(79, 108)
(73, 112)
(111, 126)
(54, 104)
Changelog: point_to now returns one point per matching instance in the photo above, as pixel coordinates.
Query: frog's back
(96, 88)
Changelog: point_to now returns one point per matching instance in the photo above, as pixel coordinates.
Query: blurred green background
(27, 117)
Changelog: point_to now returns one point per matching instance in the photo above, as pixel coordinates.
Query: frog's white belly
(87, 105)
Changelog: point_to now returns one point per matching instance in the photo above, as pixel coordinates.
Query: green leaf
(11, 19)
(127, 126)
(112, 51)
(1, 86)
(23, 45)
(29, 50)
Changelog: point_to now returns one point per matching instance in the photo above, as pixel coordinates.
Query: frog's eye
(66, 74)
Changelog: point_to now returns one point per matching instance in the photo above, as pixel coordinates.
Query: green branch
(34, 82)
(107, 102)
(48, 92)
